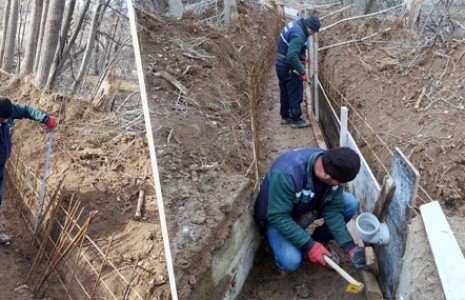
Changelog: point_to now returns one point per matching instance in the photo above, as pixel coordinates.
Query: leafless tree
(32, 39)
(89, 48)
(41, 33)
(230, 11)
(5, 28)
(175, 8)
(59, 51)
(52, 33)
(77, 30)
(10, 38)
(48, 39)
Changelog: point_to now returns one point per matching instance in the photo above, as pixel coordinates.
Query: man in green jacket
(302, 185)
(8, 112)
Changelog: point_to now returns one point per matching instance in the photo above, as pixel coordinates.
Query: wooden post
(140, 203)
(344, 121)
(315, 76)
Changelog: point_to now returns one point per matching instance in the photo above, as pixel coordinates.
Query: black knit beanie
(341, 164)
(6, 107)
(313, 22)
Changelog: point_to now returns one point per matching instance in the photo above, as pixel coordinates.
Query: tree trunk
(89, 49)
(104, 100)
(52, 32)
(59, 51)
(411, 12)
(24, 9)
(360, 7)
(32, 40)
(5, 28)
(73, 38)
(41, 34)
(175, 8)
(230, 11)
(10, 40)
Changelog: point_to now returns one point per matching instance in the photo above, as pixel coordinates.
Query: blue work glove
(357, 255)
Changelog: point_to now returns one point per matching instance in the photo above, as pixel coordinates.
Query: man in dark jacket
(302, 185)
(9, 112)
(290, 68)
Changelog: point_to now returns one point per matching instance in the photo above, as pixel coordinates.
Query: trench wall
(367, 189)
(65, 257)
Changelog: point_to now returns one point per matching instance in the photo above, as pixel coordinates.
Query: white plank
(446, 251)
(344, 121)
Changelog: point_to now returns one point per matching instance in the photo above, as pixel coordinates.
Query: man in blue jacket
(290, 68)
(9, 112)
(302, 185)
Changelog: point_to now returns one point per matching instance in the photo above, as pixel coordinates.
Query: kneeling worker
(302, 185)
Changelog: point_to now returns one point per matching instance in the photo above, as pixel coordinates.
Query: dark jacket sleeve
(24, 111)
(333, 214)
(293, 53)
(280, 204)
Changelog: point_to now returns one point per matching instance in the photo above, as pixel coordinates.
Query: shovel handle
(340, 270)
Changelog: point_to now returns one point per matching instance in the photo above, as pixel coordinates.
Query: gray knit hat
(341, 163)
(313, 22)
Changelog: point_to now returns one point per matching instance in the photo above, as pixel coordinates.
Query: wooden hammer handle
(340, 270)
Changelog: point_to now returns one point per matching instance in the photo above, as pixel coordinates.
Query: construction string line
(42, 188)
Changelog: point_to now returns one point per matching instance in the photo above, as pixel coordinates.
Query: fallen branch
(361, 17)
(337, 11)
(422, 95)
(352, 41)
(172, 80)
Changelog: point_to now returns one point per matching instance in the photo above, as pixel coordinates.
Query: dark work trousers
(2, 177)
(291, 90)
(5, 150)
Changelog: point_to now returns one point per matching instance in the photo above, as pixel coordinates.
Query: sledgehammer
(354, 286)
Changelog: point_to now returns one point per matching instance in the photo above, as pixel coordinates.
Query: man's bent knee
(290, 262)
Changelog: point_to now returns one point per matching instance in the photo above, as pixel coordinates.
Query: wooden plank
(317, 131)
(406, 179)
(371, 260)
(384, 198)
(446, 251)
(365, 186)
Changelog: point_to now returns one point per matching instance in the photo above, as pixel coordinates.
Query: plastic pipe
(370, 230)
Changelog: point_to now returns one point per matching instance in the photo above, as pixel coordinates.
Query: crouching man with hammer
(8, 112)
(302, 185)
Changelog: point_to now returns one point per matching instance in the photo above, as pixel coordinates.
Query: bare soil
(104, 162)
(401, 92)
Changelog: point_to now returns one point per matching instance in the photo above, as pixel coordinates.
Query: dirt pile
(407, 91)
(104, 161)
(404, 90)
(196, 80)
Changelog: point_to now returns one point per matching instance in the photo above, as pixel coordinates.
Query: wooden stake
(384, 198)
(56, 262)
(140, 204)
(97, 281)
(46, 236)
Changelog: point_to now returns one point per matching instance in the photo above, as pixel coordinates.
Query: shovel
(354, 286)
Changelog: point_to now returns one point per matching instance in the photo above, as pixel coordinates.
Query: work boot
(285, 121)
(300, 123)
(4, 238)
